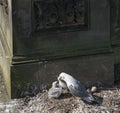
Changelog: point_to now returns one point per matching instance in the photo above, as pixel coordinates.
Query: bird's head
(66, 78)
(62, 82)
(55, 84)
(61, 77)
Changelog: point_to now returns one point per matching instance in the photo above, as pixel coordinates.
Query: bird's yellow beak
(59, 78)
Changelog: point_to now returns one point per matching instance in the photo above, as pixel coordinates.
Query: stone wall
(115, 34)
(27, 47)
(5, 41)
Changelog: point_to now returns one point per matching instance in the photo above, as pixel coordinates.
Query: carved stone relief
(53, 14)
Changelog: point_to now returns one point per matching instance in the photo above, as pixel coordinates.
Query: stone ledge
(30, 78)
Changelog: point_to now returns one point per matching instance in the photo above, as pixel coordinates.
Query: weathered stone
(33, 77)
(49, 30)
(35, 37)
(6, 41)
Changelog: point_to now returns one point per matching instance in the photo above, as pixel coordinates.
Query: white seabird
(76, 88)
(55, 91)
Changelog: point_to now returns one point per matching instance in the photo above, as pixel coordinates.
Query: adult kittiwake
(76, 88)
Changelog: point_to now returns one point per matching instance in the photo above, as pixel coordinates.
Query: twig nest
(93, 89)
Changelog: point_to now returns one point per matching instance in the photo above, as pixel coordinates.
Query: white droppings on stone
(93, 89)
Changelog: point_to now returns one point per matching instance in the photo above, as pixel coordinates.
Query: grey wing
(78, 90)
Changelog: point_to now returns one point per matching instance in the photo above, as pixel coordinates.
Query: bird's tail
(92, 99)
(89, 97)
